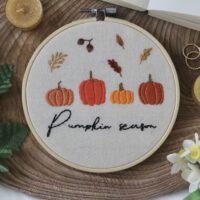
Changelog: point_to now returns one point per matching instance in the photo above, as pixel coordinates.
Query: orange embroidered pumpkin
(60, 96)
(151, 92)
(122, 96)
(92, 92)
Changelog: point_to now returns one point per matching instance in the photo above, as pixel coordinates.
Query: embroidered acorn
(89, 46)
(151, 92)
(60, 96)
(81, 41)
(122, 96)
(92, 92)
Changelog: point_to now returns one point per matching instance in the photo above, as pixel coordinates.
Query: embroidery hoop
(121, 167)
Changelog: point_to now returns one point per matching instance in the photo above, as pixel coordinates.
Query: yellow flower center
(181, 151)
(195, 152)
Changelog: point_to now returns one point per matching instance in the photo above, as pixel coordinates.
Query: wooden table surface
(35, 172)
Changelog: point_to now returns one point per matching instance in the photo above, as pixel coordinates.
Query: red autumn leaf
(115, 66)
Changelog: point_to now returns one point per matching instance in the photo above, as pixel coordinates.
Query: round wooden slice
(100, 96)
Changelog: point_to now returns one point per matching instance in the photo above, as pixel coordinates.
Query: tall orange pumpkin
(92, 92)
(151, 92)
(60, 96)
(122, 96)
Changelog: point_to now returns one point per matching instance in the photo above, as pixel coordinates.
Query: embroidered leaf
(146, 53)
(56, 60)
(120, 41)
(193, 196)
(3, 169)
(5, 77)
(115, 66)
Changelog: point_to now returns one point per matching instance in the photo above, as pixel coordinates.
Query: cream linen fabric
(105, 148)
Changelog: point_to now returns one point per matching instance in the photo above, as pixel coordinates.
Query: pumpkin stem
(59, 83)
(91, 77)
(121, 87)
(150, 78)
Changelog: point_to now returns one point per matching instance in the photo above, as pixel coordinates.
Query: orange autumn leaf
(146, 53)
(120, 41)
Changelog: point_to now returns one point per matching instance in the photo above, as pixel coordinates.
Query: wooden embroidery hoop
(100, 170)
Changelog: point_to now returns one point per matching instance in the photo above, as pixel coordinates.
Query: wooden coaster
(100, 96)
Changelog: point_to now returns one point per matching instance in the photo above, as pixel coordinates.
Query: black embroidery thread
(56, 117)
(95, 126)
(142, 127)
(92, 127)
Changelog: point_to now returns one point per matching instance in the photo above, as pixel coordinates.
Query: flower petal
(185, 153)
(175, 168)
(192, 178)
(187, 144)
(185, 174)
(172, 157)
(192, 161)
(194, 168)
(196, 138)
(193, 187)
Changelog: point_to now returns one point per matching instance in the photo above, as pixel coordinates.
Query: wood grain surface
(33, 171)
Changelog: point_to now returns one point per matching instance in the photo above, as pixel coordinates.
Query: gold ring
(187, 54)
(187, 63)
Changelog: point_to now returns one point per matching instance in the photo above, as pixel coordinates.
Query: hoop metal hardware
(101, 13)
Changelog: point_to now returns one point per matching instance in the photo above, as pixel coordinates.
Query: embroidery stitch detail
(146, 53)
(93, 91)
(122, 96)
(56, 60)
(151, 92)
(115, 66)
(120, 41)
(60, 96)
(95, 125)
(89, 46)
(142, 127)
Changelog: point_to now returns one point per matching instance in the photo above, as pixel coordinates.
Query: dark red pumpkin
(92, 92)
(151, 92)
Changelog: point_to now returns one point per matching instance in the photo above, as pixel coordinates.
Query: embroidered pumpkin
(122, 96)
(60, 96)
(151, 92)
(92, 92)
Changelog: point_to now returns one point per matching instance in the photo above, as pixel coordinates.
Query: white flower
(185, 173)
(192, 150)
(193, 177)
(178, 162)
(187, 160)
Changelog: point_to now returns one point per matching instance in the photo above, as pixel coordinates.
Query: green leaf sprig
(12, 135)
(5, 77)
(193, 196)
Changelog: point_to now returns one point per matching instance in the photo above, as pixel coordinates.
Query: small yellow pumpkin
(122, 96)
